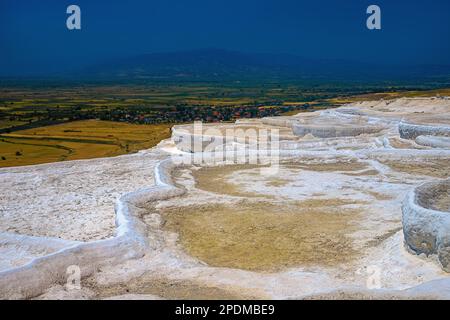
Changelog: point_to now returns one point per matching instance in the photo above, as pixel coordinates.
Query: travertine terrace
(355, 206)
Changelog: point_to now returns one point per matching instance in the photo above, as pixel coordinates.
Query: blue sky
(34, 37)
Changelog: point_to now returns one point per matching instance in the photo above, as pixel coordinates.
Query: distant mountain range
(225, 65)
(220, 65)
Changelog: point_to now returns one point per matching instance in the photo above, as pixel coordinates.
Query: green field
(21, 105)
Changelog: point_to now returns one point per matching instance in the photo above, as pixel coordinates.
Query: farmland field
(391, 95)
(26, 104)
(78, 140)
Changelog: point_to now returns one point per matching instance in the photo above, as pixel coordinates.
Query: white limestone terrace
(431, 111)
(71, 200)
(78, 212)
(426, 220)
(195, 138)
(434, 141)
(99, 212)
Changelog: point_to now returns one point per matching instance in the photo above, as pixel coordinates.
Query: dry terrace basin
(412, 130)
(331, 126)
(426, 220)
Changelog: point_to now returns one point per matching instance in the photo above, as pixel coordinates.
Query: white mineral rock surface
(48, 209)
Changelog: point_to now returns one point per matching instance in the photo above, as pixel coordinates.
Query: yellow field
(78, 140)
(390, 95)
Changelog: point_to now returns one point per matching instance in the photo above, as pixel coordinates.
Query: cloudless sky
(34, 37)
